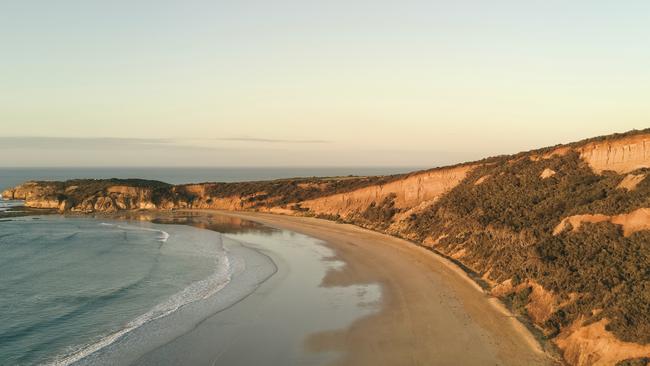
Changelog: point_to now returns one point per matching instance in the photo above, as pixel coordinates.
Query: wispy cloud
(265, 140)
(112, 151)
(40, 142)
(84, 143)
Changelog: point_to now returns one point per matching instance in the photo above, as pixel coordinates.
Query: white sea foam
(163, 234)
(197, 291)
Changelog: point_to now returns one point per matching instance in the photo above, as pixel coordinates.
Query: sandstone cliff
(413, 190)
(560, 234)
(620, 155)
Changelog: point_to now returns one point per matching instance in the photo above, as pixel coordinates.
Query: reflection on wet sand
(199, 219)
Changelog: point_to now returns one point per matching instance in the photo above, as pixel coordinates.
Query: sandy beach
(431, 312)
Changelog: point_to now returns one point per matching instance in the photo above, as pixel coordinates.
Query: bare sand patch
(547, 173)
(594, 345)
(631, 181)
(632, 222)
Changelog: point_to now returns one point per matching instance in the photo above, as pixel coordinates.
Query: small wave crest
(163, 234)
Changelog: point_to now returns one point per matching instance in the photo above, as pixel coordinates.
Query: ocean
(10, 177)
(74, 283)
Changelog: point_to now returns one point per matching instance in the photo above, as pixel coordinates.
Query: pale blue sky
(248, 83)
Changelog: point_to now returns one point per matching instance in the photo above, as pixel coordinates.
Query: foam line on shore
(196, 291)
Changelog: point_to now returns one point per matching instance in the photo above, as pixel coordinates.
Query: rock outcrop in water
(560, 234)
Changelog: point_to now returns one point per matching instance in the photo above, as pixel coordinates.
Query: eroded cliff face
(412, 191)
(622, 155)
(593, 345)
(77, 197)
(28, 190)
(198, 196)
(110, 198)
(511, 220)
(117, 198)
(36, 195)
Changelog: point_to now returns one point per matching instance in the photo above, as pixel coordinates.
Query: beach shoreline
(277, 316)
(432, 312)
(429, 311)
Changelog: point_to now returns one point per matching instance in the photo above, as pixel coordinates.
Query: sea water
(71, 286)
(9, 205)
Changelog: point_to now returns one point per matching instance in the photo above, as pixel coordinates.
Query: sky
(314, 83)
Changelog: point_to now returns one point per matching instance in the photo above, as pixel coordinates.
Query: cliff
(560, 234)
(621, 155)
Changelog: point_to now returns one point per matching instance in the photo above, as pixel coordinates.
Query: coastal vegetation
(506, 226)
(286, 191)
(381, 214)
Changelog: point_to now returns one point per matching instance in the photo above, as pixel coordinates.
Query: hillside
(560, 234)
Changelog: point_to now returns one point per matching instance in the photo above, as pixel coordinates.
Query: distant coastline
(13, 176)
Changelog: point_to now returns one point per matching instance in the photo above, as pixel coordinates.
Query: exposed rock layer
(620, 155)
(408, 192)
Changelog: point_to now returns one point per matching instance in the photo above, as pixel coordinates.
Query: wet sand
(431, 312)
(264, 325)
